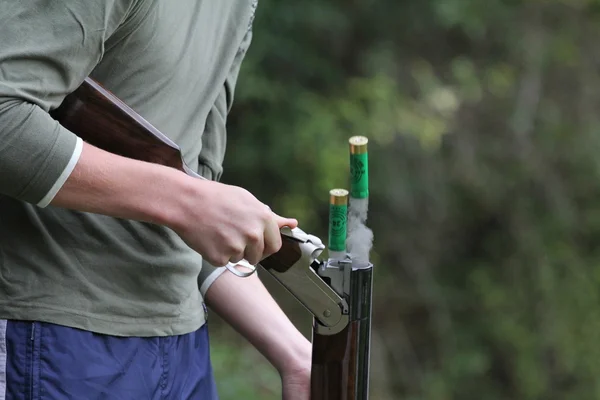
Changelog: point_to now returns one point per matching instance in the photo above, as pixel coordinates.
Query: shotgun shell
(338, 219)
(359, 167)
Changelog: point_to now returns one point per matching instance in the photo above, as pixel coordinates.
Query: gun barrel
(361, 286)
(341, 362)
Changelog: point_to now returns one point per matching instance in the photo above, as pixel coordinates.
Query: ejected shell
(338, 219)
(359, 167)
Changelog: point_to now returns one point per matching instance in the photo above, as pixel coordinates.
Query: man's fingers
(272, 238)
(236, 257)
(254, 251)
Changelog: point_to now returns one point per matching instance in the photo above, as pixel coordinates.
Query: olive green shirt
(175, 63)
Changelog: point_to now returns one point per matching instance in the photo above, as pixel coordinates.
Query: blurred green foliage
(485, 183)
(238, 376)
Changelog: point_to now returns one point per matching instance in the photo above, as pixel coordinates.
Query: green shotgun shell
(338, 219)
(359, 167)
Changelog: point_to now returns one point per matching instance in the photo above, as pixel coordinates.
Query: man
(106, 262)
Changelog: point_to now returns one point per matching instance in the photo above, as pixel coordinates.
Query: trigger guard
(233, 270)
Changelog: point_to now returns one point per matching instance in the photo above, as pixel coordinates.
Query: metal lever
(308, 288)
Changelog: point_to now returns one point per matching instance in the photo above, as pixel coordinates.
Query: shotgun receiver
(335, 293)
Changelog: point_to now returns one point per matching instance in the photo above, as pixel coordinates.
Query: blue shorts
(45, 361)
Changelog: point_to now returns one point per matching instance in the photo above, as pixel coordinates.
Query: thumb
(282, 221)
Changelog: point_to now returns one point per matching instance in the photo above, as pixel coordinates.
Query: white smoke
(360, 238)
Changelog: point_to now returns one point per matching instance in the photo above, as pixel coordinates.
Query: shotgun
(337, 294)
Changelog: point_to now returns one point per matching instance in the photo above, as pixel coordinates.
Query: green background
(484, 175)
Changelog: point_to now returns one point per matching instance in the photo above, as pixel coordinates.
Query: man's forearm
(246, 305)
(116, 186)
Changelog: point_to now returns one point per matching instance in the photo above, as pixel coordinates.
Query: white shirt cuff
(64, 175)
(210, 279)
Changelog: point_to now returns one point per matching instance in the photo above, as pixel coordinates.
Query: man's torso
(168, 61)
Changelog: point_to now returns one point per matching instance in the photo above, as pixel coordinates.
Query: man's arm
(221, 222)
(246, 305)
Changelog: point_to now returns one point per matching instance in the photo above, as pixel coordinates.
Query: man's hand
(227, 223)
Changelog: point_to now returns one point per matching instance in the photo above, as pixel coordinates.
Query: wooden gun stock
(101, 119)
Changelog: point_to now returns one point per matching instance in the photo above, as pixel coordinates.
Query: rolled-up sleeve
(34, 152)
(47, 48)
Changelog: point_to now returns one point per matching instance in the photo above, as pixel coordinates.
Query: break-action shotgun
(333, 291)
